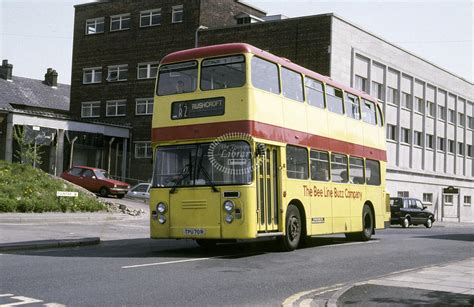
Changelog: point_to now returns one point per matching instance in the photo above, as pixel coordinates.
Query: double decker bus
(247, 145)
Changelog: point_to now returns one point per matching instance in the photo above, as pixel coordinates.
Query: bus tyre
(206, 243)
(103, 192)
(367, 226)
(292, 238)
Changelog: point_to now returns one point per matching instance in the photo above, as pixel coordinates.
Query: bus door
(268, 189)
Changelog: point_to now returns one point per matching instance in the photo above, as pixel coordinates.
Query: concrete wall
(414, 168)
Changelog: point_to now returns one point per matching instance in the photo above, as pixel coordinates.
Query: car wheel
(104, 192)
(206, 243)
(429, 222)
(405, 222)
(120, 196)
(291, 239)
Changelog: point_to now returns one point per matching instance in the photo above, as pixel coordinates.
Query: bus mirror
(261, 149)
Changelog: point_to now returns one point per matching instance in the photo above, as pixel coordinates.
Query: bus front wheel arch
(295, 227)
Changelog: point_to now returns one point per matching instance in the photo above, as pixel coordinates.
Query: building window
(361, 83)
(460, 148)
(452, 116)
(418, 138)
(377, 90)
(448, 199)
(391, 132)
(419, 105)
(144, 106)
(429, 141)
(147, 70)
(95, 26)
(451, 146)
(461, 119)
(150, 18)
(441, 145)
(116, 108)
(430, 108)
(405, 136)
(92, 75)
(441, 112)
(469, 151)
(467, 200)
(120, 22)
(142, 150)
(90, 109)
(406, 100)
(177, 14)
(403, 194)
(470, 122)
(117, 73)
(428, 198)
(392, 95)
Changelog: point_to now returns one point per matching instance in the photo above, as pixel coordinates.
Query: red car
(96, 180)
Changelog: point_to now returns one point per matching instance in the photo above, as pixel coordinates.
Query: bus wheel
(206, 243)
(367, 226)
(292, 237)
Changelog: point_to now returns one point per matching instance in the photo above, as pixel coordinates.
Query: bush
(26, 189)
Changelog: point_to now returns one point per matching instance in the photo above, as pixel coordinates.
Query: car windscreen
(101, 174)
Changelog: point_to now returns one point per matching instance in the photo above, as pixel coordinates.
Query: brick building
(429, 111)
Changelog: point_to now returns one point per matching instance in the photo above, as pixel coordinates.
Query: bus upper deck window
(292, 84)
(219, 73)
(265, 75)
(177, 78)
(334, 99)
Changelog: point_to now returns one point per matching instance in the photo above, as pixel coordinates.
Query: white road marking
(166, 262)
(23, 300)
(54, 305)
(6, 295)
(295, 297)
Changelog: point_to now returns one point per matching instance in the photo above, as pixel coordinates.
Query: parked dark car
(96, 180)
(409, 211)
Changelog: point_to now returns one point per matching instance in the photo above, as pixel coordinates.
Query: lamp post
(196, 35)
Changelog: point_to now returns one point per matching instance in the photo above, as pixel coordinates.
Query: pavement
(443, 284)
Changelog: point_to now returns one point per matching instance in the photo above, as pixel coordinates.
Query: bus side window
(265, 75)
(334, 99)
(319, 165)
(292, 84)
(314, 93)
(296, 162)
(372, 172)
(339, 168)
(352, 106)
(356, 170)
(368, 112)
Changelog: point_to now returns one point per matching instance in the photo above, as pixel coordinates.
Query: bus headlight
(229, 206)
(161, 207)
(162, 219)
(229, 218)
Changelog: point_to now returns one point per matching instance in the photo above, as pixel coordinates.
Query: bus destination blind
(198, 108)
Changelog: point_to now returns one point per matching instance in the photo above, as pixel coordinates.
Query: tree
(29, 152)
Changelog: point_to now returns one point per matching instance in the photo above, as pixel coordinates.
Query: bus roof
(234, 48)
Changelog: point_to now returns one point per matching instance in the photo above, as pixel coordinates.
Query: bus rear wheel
(367, 226)
(292, 238)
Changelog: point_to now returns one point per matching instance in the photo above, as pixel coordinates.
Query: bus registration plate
(194, 232)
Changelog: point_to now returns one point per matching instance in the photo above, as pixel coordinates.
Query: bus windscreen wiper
(187, 171)
(206, 174)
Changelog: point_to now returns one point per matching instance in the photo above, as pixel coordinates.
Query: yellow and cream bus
(247, 145)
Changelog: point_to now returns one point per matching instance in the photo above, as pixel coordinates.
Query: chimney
(51, 77)
(6, 70)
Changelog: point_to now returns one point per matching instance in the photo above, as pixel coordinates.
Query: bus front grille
(194, 204)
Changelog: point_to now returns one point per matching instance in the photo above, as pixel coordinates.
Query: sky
(37, 34)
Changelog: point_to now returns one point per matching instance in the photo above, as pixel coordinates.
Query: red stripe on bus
(268, 132)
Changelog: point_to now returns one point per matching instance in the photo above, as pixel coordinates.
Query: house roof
(33, 93)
